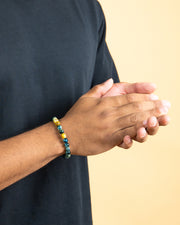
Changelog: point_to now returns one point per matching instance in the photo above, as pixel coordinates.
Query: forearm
(25, 153)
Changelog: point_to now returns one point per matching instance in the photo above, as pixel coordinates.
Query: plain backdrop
(141, 185)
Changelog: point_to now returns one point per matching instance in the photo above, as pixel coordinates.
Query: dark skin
(106, 121)
(153, 123)
(93, 125)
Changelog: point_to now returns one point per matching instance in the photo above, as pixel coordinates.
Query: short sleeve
(104, 66)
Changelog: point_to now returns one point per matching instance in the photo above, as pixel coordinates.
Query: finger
(135, 107)
(127, 142)
(128, 88)
(130, 98)
(164, 120)
(144, 88)
(152, 125)
(137, 119)
(118, 137)
(141, 135)
(129, 125)
(100, 89)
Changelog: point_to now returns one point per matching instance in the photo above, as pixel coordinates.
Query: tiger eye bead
(67, 155)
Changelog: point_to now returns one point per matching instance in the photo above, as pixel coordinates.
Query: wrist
(57, 141)
(68, 127)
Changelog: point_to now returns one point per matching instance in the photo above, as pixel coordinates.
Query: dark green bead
(67, 148)
(60, 129)
(67, 156)
(65, 140)
(66, 145)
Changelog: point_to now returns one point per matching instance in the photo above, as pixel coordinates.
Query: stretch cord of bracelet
(67, 154)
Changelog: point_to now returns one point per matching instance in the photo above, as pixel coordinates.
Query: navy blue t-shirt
(51, 53)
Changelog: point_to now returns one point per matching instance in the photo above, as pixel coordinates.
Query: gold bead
(57, 122)
(55, 119)
(63, 135)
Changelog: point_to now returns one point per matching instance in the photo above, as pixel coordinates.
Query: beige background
(141, 186)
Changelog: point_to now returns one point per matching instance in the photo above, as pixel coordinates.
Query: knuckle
(131, 97)
(105, 113)
(104, 103)
(155, 104)
(152, 131)
(137, 106)
(133, 119)
(124, 146)
(141, 140)
(127, 146)
(123, 134)
(156, 111)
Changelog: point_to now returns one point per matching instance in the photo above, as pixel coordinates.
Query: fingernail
(110, 79)
(166, 103)
(154, 97)
(128, 140)
(164, 110)
(153, 121)
(143, 133)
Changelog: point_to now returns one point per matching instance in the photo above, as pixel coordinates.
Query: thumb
(129, 88)
(101, 89)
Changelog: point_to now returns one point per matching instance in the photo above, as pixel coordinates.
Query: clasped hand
(112, 115)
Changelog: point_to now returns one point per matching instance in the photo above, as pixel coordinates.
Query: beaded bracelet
(67, 155)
